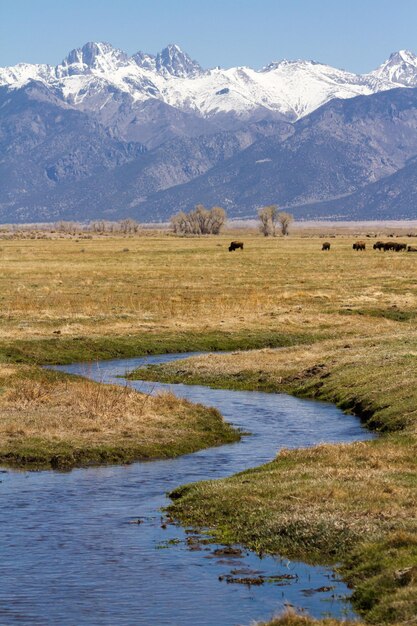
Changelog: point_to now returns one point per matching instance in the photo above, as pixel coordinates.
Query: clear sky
(356, 35)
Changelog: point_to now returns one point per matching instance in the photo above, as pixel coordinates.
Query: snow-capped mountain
(288, 89)
(105, 134)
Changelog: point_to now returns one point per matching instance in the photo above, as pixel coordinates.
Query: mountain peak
(403, 56)
(400, 68)
(145, 60)
(176, 62)
(100, 56)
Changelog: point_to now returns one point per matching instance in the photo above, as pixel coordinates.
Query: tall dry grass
(42, 417)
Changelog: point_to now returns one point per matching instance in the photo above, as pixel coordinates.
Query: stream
(71, 555)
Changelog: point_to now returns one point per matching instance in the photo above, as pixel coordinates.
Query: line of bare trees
(126, 226)
(200, 221)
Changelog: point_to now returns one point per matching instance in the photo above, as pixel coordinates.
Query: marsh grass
(49, 420)
(291, 618)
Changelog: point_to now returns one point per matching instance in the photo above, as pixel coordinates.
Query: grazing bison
(397, 247)
(326, 246)
(412, 249)
(234, 245)
(379, 245)
(359, 245)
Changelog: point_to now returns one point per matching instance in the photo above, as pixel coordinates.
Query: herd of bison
(379, 245)
(358, 245)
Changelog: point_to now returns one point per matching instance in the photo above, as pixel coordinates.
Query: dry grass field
(126, 286)
(345, 323)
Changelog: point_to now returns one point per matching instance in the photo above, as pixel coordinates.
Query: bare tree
(285, 219)
(217, 219)
(67, 227)
(268, 217)
(200, 219)
(179, 223)
(128, 226)
(98, 227)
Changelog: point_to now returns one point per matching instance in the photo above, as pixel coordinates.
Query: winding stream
(70, 557)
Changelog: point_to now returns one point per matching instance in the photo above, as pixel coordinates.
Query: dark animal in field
(396, 247)
(412, 249)
(379, 245)
(359, 245)
(326, 246)
(234, 245)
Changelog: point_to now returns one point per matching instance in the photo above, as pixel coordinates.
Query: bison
(396, 247)
(326, 246)
(234, 245)
(359, 245)
(379, 245)
(412, 249)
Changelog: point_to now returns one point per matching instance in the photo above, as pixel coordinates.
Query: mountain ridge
(288, 88)
(107, 134)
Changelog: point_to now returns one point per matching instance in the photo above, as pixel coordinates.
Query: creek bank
(349, 504)
(32, 438)
(62, 349)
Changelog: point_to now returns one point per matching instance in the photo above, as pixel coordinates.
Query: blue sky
(356, 35)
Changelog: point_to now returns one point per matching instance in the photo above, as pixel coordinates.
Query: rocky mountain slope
(105, 134)
(344, 146)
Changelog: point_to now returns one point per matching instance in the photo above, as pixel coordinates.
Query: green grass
(392, 313)
(37, 453)
(62, 350)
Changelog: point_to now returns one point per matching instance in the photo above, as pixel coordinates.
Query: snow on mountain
(18, 75)
(176, 62)
(401, 68)
(97, 75)
(292, 88)
(93, 58)
(170, 61)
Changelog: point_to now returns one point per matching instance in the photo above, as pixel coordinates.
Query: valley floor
(345, 326)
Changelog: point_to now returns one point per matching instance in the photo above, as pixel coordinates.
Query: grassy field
(345, 323)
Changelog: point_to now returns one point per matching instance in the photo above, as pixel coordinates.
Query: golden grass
(61, 422)
(181, 283)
